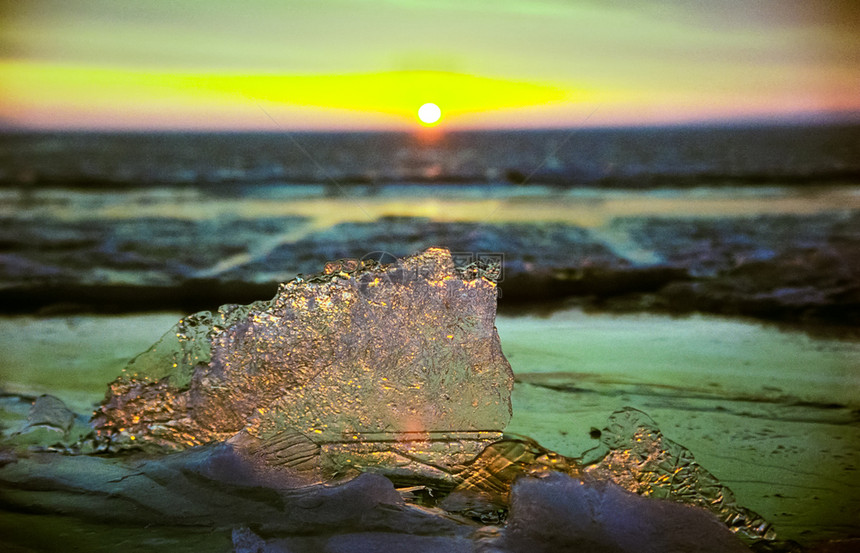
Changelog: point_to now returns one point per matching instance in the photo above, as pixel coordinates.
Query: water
(638, 158)
(101, 221)
(160, 209)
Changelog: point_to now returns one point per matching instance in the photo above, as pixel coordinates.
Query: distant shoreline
(847, 118)
(512, 178)
(637, 158)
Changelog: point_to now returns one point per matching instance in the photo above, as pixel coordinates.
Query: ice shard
(395, 366)
(636, 455)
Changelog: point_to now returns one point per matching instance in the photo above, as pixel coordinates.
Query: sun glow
(72, 94)
(429, 114)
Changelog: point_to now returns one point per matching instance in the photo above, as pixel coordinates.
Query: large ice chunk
(397, 366)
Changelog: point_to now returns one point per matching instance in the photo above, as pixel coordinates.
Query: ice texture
(397, 366)
(638, 491)
(214, 488)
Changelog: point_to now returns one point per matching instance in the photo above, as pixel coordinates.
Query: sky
(370, 64)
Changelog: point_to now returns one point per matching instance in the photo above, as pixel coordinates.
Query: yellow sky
(366, 65)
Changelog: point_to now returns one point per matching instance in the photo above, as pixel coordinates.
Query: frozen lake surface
(772, 414)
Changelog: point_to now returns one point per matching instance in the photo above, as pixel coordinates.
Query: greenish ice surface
(773, 414)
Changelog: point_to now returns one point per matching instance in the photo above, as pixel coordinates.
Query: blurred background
(629, 162)
(623, 155)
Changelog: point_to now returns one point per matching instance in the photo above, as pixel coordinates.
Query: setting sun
(429, 114)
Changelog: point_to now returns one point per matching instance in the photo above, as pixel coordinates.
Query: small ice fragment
(635, 455)
(49, 422)
(50, 411)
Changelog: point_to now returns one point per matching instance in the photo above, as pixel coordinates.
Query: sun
(429, 113)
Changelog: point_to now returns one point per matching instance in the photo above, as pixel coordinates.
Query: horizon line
(850, 117)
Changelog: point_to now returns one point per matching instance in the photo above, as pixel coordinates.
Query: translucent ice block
(395, 366)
